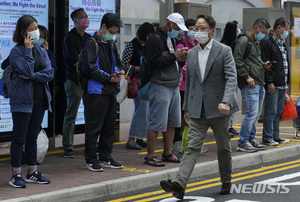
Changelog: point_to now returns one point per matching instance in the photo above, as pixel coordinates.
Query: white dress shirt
(203, 56)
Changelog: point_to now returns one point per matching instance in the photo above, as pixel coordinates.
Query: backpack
(5, 82)
(81, 75)
(249, 45)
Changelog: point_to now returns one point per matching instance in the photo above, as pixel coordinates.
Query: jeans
(74, 94)
(140, 119)
(274, 104)
(253, 98)
(26, 127)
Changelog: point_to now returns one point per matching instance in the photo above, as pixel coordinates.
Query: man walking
(251, 73)
(273, 49)
(210, 99)
(73, 43)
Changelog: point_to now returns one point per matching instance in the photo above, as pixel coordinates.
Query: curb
(93, 191)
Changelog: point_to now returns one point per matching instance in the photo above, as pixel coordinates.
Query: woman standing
(29, 98)
(131, 57)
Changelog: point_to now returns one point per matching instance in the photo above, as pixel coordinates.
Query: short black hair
(262, 23)
(234, 21)
(111, 19)
(22, 24)
(145, 29)
(280, 22)
(74, 14)
(155, 24)
(190, 22)
(43, 31)
(209, 19)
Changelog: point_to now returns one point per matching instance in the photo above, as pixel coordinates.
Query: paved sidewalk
(70, 181)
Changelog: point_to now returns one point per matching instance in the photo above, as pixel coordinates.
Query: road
(274, 182)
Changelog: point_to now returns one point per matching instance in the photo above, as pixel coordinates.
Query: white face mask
(238, 32)
(202, 37)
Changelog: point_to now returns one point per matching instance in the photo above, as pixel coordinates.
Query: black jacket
(161, 61)
(73, 43)
(271, 52)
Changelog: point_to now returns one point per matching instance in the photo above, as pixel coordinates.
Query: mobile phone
(273, 62)
(120, 73)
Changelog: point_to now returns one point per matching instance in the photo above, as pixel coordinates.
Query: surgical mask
(191, 34)
(238, 31)
(173, 34)
(35, 34)
(284, 34)
(202, 37)
(84, 23)
(39, 42)
(108, 36)
(259, 36)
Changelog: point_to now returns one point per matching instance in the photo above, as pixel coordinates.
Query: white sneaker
(270, 143)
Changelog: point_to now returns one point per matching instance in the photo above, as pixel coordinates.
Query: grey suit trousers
(196, 135)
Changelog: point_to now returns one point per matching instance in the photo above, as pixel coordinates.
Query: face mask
(284, 34)
(238, 32)
(39, 42)
(173, 34)
(35, 34)
(84, 23)
(259, 36)
(201, 37)
(108, 36)
(191, 34)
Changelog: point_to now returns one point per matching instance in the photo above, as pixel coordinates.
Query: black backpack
(249, 44)
(81, 75)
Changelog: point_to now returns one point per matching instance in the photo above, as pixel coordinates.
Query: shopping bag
(123, 87)
(133, 87)
(42, 146)
(184, 138)
(289, 111)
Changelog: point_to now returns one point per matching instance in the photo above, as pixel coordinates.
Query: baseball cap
(178, 19)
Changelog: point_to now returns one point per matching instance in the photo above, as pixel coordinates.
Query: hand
(28, 41)
(137, 69)
(186, 117)
(224, 108)
(180, 52)
(182, 58)
(23, 77)
(271, 88)
(45, 45)
(267, 65)
(115, 78)
(251, 82)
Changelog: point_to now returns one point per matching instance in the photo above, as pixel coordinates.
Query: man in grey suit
(210, 98)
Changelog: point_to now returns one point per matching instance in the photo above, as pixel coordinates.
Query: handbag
(143, 92)
(133, 87)
(123, 87)
(289, 111)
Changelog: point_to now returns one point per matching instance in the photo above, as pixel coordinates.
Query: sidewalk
(70, 181)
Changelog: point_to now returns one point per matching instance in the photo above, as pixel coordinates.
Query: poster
(10, 12)
(95, 10)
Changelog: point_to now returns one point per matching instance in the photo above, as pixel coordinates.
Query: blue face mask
(259, 36)
(284, 34)
(39, 42)
(108, 36)
(173, 34)
(191, 34)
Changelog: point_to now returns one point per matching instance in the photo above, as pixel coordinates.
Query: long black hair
(229, 36)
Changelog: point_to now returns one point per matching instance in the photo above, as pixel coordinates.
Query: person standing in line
(210, 98)
(73, 43)
(131, 57)
(251, 77)
(29, 98)
(276, 79)
(100, 105)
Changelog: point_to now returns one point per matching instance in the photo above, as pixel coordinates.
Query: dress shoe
(225, 188)
(173, 187)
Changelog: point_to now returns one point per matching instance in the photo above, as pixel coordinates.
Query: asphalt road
(276, 182)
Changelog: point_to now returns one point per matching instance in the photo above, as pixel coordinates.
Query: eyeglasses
(200, 29)
(111, 32)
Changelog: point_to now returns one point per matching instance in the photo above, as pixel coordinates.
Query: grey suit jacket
(219, 83)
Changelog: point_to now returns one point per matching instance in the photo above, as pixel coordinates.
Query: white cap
(178, 19)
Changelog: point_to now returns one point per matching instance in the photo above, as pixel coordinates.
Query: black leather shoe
(225, 188)
(173, 187)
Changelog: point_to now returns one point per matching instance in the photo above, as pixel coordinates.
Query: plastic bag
(123, 91)
(42, 146)
(289, 110)
(184, 138)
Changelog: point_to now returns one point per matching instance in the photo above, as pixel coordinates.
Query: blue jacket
(22, 63)
(99, 68)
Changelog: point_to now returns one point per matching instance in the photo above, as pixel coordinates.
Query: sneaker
(270, 143)
(37, 178)
(141, 142)
(110, 164)
(232, 132)
(281, 141)
(94, 166)
(69, 154)
(17, 181)
(246, 147)
(257, 145)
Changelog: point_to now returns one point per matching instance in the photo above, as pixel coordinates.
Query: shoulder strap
(249, 44)
(96, 43)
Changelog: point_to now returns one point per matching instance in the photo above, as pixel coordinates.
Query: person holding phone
(29, 98)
